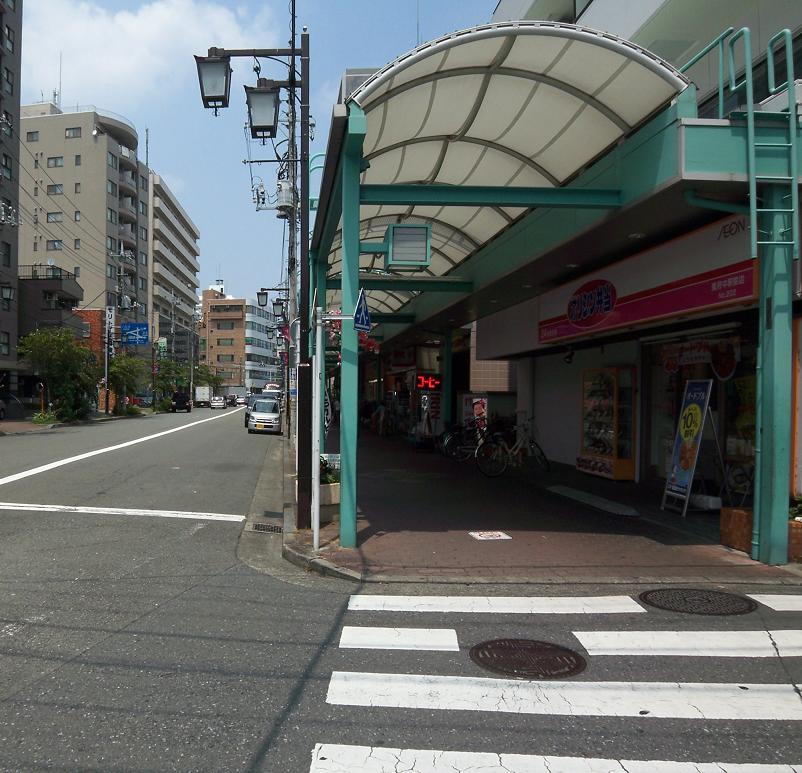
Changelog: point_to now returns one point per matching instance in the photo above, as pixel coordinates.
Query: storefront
(606, 358)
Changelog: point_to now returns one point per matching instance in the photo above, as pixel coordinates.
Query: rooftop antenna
(417, 22)
(59, 79)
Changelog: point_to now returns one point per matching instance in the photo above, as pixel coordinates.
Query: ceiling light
(572, 265)
(635, 235)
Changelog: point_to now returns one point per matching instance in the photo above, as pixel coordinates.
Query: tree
(205, 376)
(170, 375)
(126, 374)
(69, 371)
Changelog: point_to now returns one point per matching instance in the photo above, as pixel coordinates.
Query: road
(140, 641)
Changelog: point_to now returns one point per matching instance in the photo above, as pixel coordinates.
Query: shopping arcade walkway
(417, 507)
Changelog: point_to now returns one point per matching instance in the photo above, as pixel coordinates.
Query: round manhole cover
(697, 601)
(527, 659)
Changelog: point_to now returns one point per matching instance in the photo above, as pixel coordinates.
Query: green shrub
(164, 404)
(132, 410)
(45, 417)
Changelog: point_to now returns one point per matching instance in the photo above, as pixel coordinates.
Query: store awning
(519, 104)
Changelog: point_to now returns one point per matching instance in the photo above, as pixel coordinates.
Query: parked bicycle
(461, 442)
(495, 455)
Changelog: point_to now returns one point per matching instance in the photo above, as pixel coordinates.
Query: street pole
(317, 385)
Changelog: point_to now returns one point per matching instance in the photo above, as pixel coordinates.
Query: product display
(608, 425)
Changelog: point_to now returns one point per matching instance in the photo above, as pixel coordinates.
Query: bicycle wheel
(491, 459)
(537, 454)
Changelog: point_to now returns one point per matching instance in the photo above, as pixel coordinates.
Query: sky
(134, 58)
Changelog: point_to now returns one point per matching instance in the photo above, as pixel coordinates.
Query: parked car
(180, 402)
(265, 417)
(218, 401)
(251, 400)
(143, 401)
(241, 400)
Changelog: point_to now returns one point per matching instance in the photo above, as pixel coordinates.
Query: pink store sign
(596, 307)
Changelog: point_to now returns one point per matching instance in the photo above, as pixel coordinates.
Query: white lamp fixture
(261, 298)
(214, 77)
(278, 307)
(263, 104)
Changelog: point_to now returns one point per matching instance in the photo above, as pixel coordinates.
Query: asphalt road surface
(133, 637)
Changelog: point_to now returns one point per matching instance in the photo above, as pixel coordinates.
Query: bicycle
(461, 442)
(495, 455)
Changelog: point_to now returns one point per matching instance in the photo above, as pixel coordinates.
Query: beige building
(10, 180)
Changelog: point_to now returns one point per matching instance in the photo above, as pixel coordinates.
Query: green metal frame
(430, 284)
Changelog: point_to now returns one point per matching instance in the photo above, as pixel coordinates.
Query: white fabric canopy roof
(525, 104)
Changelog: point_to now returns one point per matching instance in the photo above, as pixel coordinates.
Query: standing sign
(687, 441)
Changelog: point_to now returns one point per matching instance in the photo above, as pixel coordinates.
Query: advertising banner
(688, 438)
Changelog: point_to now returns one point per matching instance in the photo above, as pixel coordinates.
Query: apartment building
(10, 51)
(173, 270)
(238, 340)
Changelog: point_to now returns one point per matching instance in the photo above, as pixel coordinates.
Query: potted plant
(795, 531)
(736, 529)
(329, 484)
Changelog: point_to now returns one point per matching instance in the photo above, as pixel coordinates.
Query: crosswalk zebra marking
(779, 602)
(367, 637)
(713, 644)
(522, 605)
(668, 700)
(342, 758)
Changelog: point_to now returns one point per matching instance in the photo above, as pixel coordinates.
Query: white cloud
(125, 57)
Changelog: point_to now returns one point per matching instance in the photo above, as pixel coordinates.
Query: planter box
(329, 494)
(736, 532)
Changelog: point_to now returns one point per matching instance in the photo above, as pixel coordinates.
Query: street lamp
(6, 293)
(263, 104)
(261, 298)
(214, 76)
(278, 307)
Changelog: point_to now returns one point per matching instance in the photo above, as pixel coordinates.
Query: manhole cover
(697, 601)
(527, 659)
(272, 527)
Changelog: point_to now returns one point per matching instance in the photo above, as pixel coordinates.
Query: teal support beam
(774, 381)
(446, 376)
(720, 206)
(428, 284)
(490, 196)
(374, 248)
(349, 344)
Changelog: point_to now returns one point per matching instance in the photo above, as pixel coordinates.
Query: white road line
(780, 602)
(89, 454)
(711, 644)
(520, 605)
(366, 637)
(122, 511)
(668, 700)
(340, 758)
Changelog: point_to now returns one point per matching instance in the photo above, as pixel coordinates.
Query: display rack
(608, 423)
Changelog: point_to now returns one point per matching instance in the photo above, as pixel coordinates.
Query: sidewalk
(416, 509)
(25, 426)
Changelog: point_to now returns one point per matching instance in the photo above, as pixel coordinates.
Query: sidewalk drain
(698, 601)
(527, 659)
(271, 527)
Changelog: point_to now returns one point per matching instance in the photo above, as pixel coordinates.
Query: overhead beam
(487, 196)
(406, 319)
(431, 284)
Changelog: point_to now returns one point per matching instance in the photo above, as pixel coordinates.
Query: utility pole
(172, 326)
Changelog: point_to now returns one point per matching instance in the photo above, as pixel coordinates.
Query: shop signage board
(690, 427)
(708, 268)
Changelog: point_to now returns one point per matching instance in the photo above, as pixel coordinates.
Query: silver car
(218, 401)
(265, 416)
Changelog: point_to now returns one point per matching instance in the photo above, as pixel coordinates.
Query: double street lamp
(263, 101)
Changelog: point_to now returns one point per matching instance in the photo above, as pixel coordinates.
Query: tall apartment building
(10, 50)
(174, 269)
(235, 342)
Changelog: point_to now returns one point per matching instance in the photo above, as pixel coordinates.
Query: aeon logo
(591, 303)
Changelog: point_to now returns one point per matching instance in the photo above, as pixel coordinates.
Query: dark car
(231, 399)
(180, 402)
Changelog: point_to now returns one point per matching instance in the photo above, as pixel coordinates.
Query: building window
(7, 124)
(143, 258)
(77, 215)
(111, 271)
(111, 244)
(143, 233)
(225, 358)
(225, 342)
(77, 187)
(111, 160)
(73, 133)
(111, 299)
(55, 217)
(143, 208)
(55, 190)
(35, 190)
(77, 159)
(143, 307)
(111, 187)
(111, 215)
(9, 39)
(224, 324)
(77, 269)
(35, 245)
(143, 283)
(143, 182)
(5, 343)
(55, 245)
(53, 161)
(5, 254)
(6, 170)
(77, 246)
(12, 5)
(8, 81)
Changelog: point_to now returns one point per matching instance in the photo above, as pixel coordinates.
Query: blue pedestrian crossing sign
(362, 313)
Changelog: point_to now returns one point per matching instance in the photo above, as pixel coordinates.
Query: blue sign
(362, 313)
(134, 333)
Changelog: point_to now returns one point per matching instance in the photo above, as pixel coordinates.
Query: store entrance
(728, 356)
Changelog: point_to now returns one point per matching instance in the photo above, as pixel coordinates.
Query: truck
(203, 396)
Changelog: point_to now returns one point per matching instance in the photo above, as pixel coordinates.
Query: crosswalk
(609, 631)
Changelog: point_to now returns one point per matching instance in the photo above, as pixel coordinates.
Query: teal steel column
(320, 285)
(773, 454)
(447, 379)
(349, 344)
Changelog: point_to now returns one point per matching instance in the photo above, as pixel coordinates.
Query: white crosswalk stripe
(765, 702)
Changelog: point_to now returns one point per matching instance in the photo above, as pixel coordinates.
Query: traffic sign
(362, 313)
(134, 333)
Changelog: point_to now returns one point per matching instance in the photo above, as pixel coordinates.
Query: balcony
(47, 296)
(176, 264)
(127, 209)
(173, 229)
(127, 236)
(128, 157)
(127, 263)
(167, 277)
(127, 182)
(167, 297)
